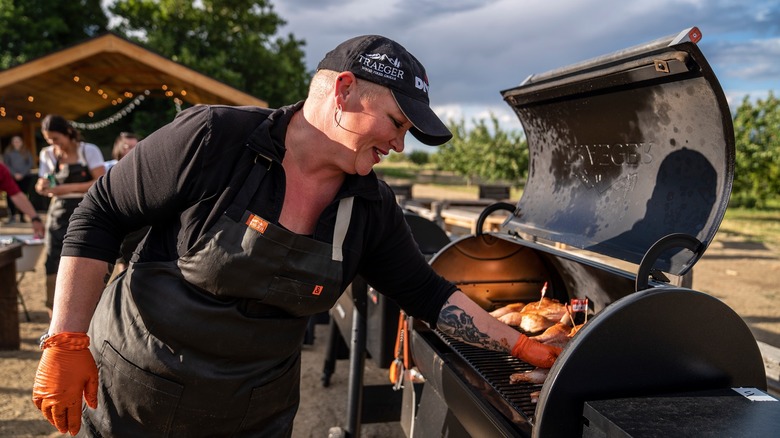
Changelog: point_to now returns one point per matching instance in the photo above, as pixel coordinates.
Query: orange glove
(535, 353)
(65, 372)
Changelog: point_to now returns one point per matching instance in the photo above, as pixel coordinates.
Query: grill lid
(625, 149)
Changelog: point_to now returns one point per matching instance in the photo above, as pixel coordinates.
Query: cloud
(753, 60)
(474, 49)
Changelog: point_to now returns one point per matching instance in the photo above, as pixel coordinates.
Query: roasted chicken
(532, 317)
(509, 308)
(547, 307)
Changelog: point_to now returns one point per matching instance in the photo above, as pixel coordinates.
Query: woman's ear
(345, 87)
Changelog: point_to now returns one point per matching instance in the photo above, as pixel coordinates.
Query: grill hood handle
(488, 211)
(670, 241)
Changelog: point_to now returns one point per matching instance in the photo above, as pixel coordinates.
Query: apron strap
(252, 183)
(343, 217)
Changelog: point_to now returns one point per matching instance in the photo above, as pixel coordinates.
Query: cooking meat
(554, 335)
(509, 308)
(547, 307)
(528, 322)
(533, 317)
(557, 335)
(533, 322)
(535, 376)
(535, 396)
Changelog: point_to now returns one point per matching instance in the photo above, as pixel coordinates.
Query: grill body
(660, 340)
(631, 167)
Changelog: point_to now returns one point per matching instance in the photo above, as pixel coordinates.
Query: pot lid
(626, 149)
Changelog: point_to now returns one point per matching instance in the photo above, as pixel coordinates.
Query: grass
(753, 225)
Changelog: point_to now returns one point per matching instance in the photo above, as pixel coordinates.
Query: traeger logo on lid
(382, 65)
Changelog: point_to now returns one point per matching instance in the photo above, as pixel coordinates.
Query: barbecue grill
(631, 167)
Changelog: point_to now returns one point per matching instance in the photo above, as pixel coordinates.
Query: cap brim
(426, 125)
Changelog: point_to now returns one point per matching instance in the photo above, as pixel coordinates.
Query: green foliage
(230, 40)
(420, 158)
(757, 136)
(30, 29)
(486, 152)
(396, 172)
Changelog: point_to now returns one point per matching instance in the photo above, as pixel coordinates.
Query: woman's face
(58, 140)
(372, 128)
(16, 142)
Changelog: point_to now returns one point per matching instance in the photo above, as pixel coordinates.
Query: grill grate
(495, 368)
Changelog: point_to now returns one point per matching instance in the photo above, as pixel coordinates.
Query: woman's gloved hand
(65, 373)
(535, 353)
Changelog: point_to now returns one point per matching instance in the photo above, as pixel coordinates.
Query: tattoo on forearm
(455, 322)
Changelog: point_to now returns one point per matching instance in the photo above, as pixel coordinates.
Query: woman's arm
(466, 321)
(80, 187)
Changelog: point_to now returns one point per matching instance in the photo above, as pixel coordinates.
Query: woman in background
(67, 169)
(19, 161)
(124, 143)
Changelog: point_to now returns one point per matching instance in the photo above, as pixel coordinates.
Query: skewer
(568, 312)
(544, 291)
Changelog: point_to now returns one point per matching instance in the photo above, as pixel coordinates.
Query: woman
(123, 144)
(67, 169)
(19, 161)
(260, 219)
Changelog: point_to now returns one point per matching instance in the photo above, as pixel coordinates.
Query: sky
(473, 49)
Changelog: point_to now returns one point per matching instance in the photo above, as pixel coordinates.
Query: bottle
(52, 180)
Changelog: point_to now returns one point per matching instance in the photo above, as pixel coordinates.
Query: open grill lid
(625, 149)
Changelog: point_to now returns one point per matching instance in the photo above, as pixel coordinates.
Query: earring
(337, 116)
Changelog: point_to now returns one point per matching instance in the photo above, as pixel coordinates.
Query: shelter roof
(98, 73)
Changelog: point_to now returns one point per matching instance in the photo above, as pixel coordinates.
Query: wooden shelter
(101, 72)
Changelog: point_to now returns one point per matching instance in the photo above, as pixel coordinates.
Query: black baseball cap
(387, 63)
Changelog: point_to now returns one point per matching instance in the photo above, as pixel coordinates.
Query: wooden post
(28, 136)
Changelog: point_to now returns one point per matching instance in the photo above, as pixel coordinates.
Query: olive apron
(209, 344)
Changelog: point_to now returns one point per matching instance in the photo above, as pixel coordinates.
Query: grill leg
(357, 359)
(332, 353)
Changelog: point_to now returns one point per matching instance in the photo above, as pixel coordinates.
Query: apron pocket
(297, 297)
(130, 393)
(272, 407)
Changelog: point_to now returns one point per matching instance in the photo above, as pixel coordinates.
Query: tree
(30, 29)
(486, 152)
(420, 158)
(757, 136)
(230, 40)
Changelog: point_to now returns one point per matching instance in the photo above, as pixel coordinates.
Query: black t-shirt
(181, 178)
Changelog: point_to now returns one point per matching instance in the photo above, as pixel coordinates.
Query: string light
(129, 108)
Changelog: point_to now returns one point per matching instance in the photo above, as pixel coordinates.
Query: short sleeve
(46, 164)
(93, 156)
